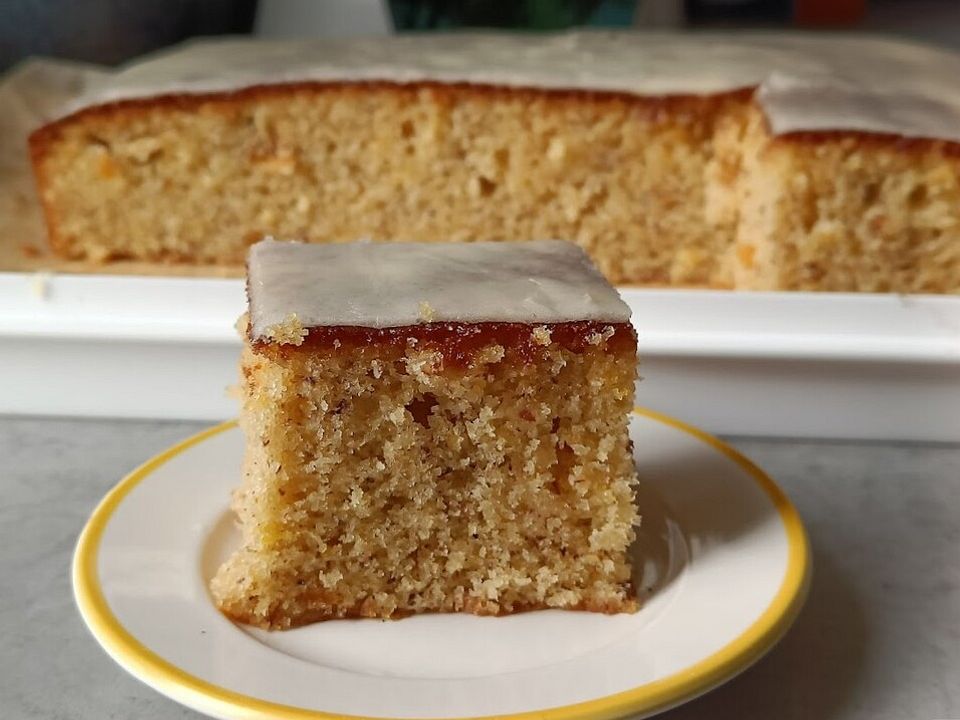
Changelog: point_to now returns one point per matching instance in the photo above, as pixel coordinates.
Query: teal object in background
(512, 14)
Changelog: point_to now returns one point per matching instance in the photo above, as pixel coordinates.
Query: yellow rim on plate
(658, 695)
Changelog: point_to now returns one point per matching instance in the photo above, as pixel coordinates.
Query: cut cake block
(754, 161)
(432, 428)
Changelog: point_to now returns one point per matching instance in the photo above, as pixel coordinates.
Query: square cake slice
(432, 428)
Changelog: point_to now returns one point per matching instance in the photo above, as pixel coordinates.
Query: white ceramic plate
(723, 563)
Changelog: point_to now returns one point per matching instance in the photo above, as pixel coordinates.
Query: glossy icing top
(383, 285)
(805, 82)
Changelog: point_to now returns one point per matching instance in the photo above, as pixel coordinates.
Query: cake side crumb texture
(381, 481)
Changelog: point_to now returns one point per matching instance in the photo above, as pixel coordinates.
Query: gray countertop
(879, 637)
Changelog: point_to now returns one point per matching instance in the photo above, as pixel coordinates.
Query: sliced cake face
(198, 180)
(464, 461)
(835, 212)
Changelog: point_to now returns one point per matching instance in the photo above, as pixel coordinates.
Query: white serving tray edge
(808, 364)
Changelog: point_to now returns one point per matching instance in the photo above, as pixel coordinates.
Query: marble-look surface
(879, 637)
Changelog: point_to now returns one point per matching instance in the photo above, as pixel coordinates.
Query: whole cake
(432, 427)
(757, 161)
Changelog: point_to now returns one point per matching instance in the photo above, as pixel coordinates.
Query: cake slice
(432, 428)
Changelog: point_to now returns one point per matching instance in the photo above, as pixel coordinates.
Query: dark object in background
(111, 31)
(513, 14)
(738, 12)
(829, 13)
(775, 13)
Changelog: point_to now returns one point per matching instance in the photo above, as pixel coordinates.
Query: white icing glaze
(381, 285)
(806, 82)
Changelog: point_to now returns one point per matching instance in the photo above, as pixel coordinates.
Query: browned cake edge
(629, 605)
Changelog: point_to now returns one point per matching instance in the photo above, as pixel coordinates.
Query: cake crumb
(426, 312)
(541, 335)
(599, 337)
(40, 285)
(242, 325)
(491, 354)
(289, 332)
(421, 364)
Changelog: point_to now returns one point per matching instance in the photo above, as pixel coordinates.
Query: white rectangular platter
(788, 364)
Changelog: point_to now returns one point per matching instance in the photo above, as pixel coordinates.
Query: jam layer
(458, 344)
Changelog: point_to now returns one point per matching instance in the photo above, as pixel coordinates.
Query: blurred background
(113, 31)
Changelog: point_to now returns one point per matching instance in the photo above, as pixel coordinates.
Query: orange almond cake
(755, 161)
(432, 428)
